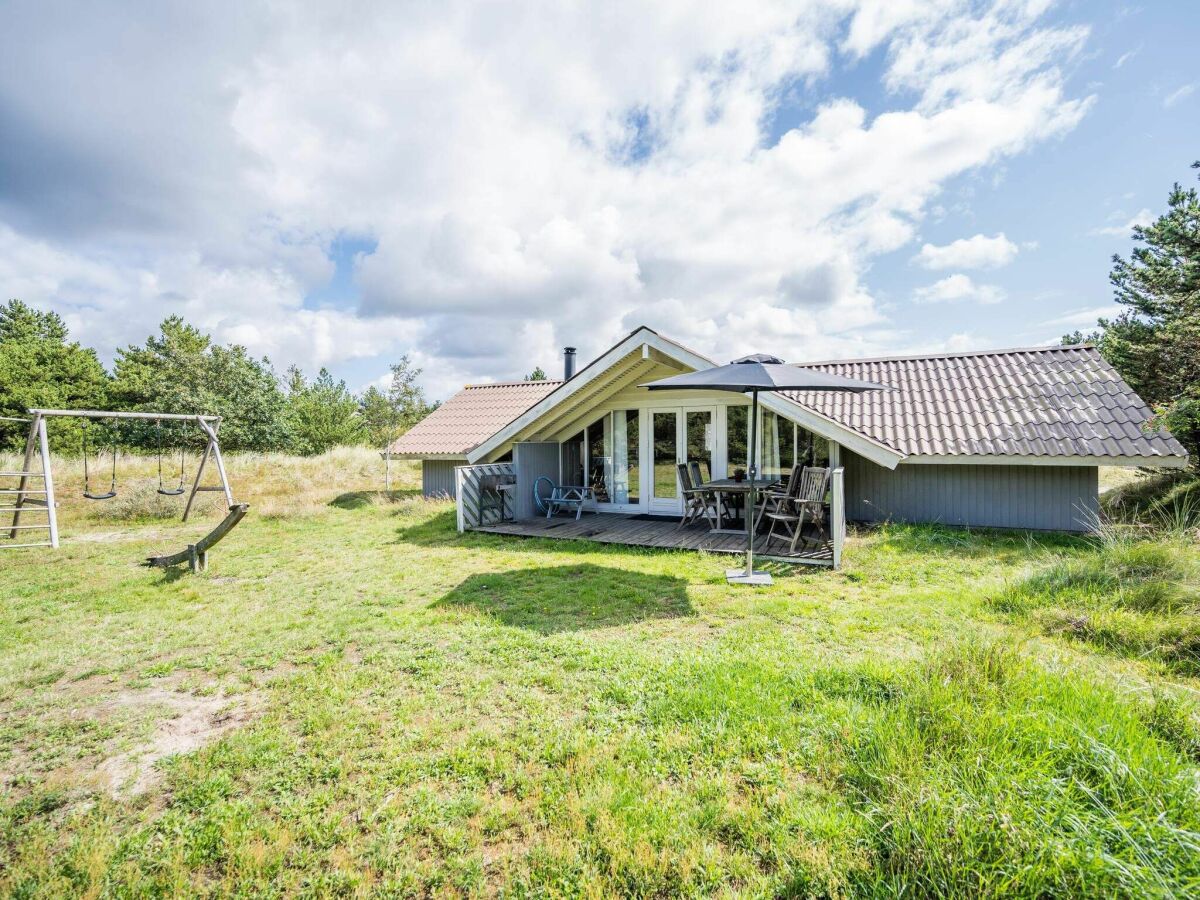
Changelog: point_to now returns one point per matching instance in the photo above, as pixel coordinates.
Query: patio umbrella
(749, 375)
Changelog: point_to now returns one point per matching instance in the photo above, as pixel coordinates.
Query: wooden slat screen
(471, 511)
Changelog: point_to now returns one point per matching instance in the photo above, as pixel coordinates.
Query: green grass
(1132, 596)
(396, 709)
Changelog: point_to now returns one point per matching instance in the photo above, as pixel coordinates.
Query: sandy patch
(188, 723)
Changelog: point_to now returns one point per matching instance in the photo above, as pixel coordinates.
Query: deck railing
(473, 512)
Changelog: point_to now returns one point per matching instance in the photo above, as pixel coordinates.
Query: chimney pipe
(568, 363)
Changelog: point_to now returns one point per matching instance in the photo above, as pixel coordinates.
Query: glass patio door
(664, 439)
(679, 435)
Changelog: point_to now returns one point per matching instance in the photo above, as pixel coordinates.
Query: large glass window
(778, 446)
(613, 456)
(627, 474)
(699, 440)
(737, 437)
(599, 445)
(811, 449)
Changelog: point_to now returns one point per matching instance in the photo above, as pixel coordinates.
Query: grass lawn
(356, 700)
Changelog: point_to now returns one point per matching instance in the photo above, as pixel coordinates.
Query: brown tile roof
(1056, 401)
(473, 414)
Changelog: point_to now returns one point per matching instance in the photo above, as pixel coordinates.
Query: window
(613, 446)
(599, 459)
(737, 439)
(778, 446)
(811, 449)
(699, 440)
(626, 447)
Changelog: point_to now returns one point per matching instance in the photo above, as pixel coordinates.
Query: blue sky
(476, 187)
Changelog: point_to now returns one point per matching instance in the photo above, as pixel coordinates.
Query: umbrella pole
(749, 576)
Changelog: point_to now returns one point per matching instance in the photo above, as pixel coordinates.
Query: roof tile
(471, 416)
(1055, 401)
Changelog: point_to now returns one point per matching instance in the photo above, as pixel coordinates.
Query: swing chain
(162, 488)
(87, 479)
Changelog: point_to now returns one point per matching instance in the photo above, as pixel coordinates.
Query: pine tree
(40, 367)
(1155, 342)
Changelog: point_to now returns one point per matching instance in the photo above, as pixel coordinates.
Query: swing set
(29, 500)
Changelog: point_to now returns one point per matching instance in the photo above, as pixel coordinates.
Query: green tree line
(1155, 341)
(181, 369)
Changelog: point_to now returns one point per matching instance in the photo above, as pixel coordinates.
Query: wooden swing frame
(29, 500)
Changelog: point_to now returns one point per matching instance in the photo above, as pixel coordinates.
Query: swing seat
(107, 496)
(171, 493)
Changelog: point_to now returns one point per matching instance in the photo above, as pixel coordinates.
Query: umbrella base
(739, 576)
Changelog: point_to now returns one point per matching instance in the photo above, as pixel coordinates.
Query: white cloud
(1178, 95)
(956, 288)
(531, 175)
(1084, 317)
(1127, 56)
(978, 252)
(1142, 218)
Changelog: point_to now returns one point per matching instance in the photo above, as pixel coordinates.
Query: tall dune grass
(275, 485)
(1136, 593)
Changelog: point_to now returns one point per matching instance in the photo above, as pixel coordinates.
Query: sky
(477, 185)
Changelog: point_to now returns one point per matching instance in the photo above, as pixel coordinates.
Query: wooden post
(216, 452)
(837, 512)
(48, 480)
(459, 479)
(197, 559)
(196, 484)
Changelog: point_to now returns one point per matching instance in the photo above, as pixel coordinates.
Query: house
(1006, 438)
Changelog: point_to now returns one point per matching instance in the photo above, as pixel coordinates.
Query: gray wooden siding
(572, 463)
(1045, 498)
(437, 477)
(530, 461)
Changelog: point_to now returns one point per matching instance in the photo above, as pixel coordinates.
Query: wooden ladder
(28, 499)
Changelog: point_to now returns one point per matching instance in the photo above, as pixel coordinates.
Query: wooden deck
(639, 531)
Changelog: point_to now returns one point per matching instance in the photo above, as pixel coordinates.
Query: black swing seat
(107, 496)
(174, 493)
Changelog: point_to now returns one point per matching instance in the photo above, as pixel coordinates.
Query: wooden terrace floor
(638, 531)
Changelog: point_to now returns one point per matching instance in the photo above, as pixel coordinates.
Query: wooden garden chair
(772, 499)
(808, 503)
(714, 498)
(697, 502)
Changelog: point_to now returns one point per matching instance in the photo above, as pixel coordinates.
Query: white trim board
(1152, 462)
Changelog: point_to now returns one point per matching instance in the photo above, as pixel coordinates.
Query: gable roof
(1043, 402)
(469, 417)
(1040, 405)
(629, 361)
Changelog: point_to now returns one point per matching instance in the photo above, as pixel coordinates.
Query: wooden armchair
(697, 502)
(808, 503)
(772, 499)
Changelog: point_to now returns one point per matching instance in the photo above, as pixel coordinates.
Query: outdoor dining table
(733, 487)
